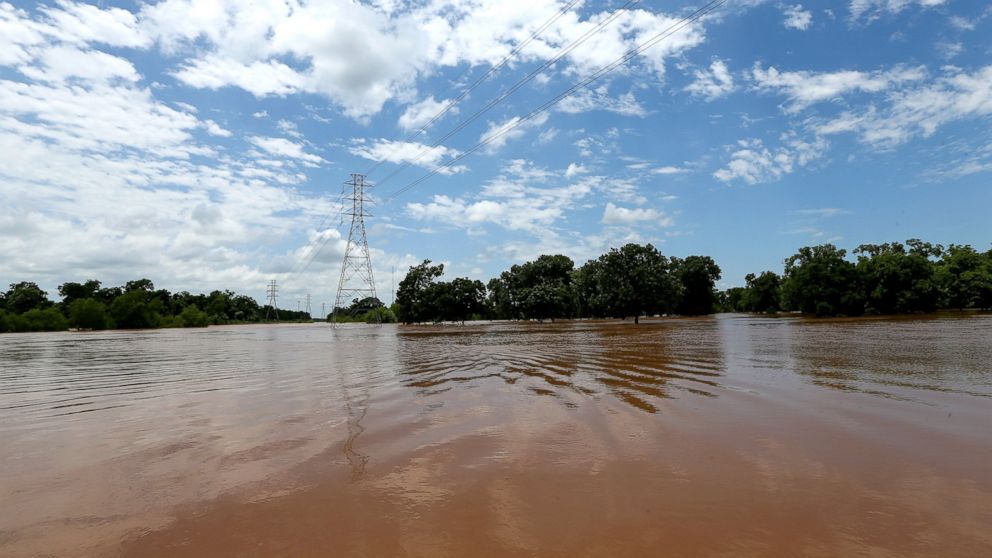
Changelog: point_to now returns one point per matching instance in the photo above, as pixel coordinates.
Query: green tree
(629, 281)
(133, 310)
(733, 299)
(191, 316)
(467, 299)
(500, 303)
(762, 292)
(89, 314)
(139, 285)
(25, 296)
(696, 277)
(47, 319)
(897, 280)
(413, 305)
(818, 280)
(71, 292)
(965, 276)
(540, 289)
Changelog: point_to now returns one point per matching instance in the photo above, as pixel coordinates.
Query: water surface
(718, 436)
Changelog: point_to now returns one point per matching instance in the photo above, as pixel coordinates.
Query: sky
(204, 144)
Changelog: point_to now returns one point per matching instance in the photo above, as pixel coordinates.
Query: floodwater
(719, 436)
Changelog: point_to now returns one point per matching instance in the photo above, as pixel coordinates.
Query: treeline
(369, 310)
(890, 278)
(632, 281)
(638, 280)
(134, 305)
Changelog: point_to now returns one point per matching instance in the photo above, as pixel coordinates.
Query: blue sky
(203, 144)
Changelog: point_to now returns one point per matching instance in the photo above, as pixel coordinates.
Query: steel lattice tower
(272, 291)
(357, 281)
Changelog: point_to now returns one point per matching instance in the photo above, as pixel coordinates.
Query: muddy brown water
(720, 436)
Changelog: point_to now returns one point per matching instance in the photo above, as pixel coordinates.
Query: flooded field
(717, 436)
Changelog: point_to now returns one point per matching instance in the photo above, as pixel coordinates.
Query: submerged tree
(696, 277)
(629, 281)
(965, 276)
(762, 292)
(412, 302)
(818, 280)
(540, 289)
(896, 280)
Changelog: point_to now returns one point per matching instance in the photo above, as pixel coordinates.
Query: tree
(139, 285)
(71, 292)
(732, 300)
(898, 281)
(468, 298)
(191, 316)
(540, 289)
(411, 300)
(818, 280)
(697, 277)
(762, 292)
(25, 296)
(132, 310)
(965, 276)
(47, 319)
(630, 281)
(88, 314)
(500, 303)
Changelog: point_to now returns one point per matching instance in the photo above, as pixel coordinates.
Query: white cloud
(796, 17)
(408, 152)
(575, 169)
(288, 128)
(806, 88)
(515, 200)
(949, 49)
(613, 215)
(363, 56)
(418, 114)
(961, 23)
(919, 111)
(599, 99)
(714, 83)
(499, 133)
(85, 23)
(282, 147)
(215, 129)
(258, 78)
(669, 170)
(872, 9)
(69, 63)
(752, 162)
(547, 136)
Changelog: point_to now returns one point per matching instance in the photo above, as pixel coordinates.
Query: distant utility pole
(272, 291)
(307, 309)
(323, 313)
(392, 286)
(356, 280)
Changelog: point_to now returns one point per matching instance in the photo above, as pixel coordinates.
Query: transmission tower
(356, 280)
(272, 291)
(307, 306)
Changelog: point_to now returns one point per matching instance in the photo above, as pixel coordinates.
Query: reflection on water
(106, 434)
(639, 365)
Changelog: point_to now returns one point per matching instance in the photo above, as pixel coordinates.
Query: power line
(317, 244)
(514, 88)
(506, 59)
(699, 13)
